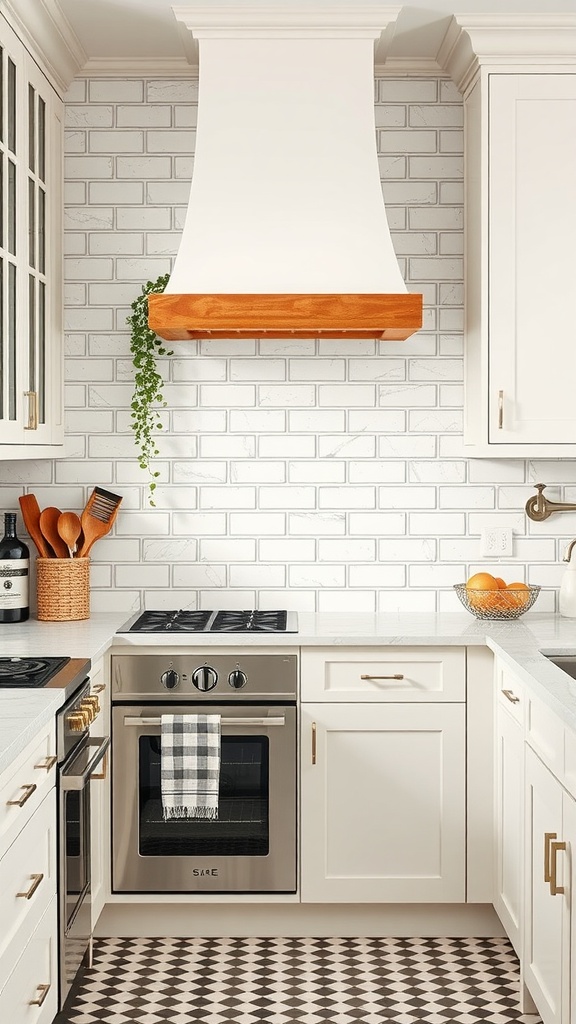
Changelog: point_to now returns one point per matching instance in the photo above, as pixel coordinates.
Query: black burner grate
(28, 672)
(171, 622)
(249, 622)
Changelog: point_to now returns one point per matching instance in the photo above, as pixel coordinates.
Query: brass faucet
(539, 508)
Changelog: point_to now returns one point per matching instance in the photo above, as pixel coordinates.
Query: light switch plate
(496, 542)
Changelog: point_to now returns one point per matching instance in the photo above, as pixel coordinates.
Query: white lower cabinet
(509, 804)
(30, 995)
(550, 838)
(383, 803)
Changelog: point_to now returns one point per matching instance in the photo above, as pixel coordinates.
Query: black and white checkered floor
(298, 981)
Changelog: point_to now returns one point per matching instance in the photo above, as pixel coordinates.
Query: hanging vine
(148, 399)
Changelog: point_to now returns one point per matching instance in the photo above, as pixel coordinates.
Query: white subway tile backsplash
(309, 474)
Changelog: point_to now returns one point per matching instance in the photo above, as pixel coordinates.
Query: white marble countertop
(520, 643)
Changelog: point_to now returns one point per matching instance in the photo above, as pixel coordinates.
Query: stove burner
(28, 672)
(211, 622)
(177, 622)
(249, 622)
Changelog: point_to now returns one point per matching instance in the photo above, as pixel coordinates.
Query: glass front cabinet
(31, 375)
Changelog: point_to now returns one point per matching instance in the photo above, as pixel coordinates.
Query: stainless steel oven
(79, 755)
(251, 846)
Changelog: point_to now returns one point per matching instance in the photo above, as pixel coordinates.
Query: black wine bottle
(14, 573)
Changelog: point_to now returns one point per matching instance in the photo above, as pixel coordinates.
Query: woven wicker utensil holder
(63, 589)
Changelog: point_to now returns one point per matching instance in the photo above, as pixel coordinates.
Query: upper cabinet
(520, 150)
(31, 360)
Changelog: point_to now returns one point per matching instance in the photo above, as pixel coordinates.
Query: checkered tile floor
(298, 981)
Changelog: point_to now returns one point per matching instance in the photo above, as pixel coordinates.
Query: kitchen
(318, 476)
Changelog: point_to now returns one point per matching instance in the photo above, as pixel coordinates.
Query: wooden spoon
(31, 516)
(69, 528)
(49, 526)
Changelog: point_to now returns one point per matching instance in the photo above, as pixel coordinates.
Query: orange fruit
(520, 594)
(482, 581)
(500, 582)
(480, 589)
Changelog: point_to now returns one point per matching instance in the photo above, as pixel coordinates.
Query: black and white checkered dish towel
(190, 766)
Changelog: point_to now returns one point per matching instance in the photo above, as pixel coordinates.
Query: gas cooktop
(65, 674)
(200, 621)
(29, 672)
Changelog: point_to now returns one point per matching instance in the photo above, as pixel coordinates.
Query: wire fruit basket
(497, 604)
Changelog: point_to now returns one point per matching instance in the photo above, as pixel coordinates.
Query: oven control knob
(170, 679)
(205, 678)
(237, 679)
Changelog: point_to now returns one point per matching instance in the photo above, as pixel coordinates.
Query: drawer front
(30, 996)
(545, 734)
(510, 694)
(28, 883)
(23, 789)
(357, 674)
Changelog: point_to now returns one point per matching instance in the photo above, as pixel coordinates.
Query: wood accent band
(183, 317)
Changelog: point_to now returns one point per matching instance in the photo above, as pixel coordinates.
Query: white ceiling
(137, 29)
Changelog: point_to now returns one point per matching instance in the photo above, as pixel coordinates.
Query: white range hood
(286, 232)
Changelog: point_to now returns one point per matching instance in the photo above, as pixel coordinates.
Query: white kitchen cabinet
(520, 148)
(383, 803)
(369, 674)
(31, 356)
(509, 806)
(550, 839)
(28, 867)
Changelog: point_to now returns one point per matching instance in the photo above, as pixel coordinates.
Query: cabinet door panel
(509, 825)
(383, 807)
(532, 217)
(543, 938)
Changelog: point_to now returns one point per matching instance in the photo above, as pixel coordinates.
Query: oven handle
(280, 720)
(71, 780)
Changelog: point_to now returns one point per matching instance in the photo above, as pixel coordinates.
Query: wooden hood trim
(381, 316)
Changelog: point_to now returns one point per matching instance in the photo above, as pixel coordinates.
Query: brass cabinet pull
(48, 762)
(313, 742)
(500, 410)
(104, 772)
(397, 676)
(36, 879)
(28, 790)
(32, 397)
(555, 889)
(548, 837)
(511, 696)
(99, 687)
(43, 990)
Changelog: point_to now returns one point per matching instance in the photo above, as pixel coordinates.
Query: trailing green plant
(148, 399)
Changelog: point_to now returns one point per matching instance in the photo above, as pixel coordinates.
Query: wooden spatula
(31, 516)
(98, 517)
(49, 525)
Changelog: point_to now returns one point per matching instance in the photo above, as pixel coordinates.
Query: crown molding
(48, 36)
(296, 20)
(138, 67)
(498, 40)
(402, 67)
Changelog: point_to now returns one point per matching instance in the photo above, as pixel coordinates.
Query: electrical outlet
(496, 542)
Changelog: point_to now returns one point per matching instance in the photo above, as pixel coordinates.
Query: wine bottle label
(14, 582)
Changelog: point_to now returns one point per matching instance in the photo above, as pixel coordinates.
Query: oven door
(251, 847)
(74, 858)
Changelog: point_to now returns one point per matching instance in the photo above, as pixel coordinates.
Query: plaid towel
(190, 765)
